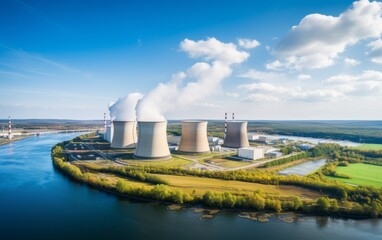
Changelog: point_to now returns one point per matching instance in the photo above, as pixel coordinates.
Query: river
(313, 140)
(37, 202)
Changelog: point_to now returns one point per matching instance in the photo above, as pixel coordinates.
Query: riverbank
(253, 190)
(7, 141)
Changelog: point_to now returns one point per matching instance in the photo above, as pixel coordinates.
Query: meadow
(361, 174)
(369, 146)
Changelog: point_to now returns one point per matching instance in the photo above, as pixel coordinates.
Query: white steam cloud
(208, 75)
(124, 108)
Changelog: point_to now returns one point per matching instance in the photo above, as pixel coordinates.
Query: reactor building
(124, 134)
(236, 135)
(194, 137)
(152, 141)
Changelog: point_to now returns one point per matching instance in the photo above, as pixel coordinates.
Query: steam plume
(207, 76)
(124, 108)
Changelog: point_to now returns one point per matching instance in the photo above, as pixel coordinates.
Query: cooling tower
(124, 134)
(152, 141)
(109, 133)
(194, 137)
(236, 136)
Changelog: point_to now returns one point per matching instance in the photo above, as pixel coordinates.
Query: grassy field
(362, 174)
(199, 186)
(227, 163)
(172, 162)
(370, 147)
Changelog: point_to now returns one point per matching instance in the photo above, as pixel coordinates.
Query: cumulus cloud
(367, 83)
(270, 92)
(233, 94)
(213, 50)
(304, 77)
(318, 39)
(124, 108)
(260, 75)
(376, 51)
(248, 43)
(259, 97)
(351, 62)
(207, 77)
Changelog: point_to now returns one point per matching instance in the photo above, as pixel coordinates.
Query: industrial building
(152, 141)
(194, 137)
(236, 135)
(274, 154)
(262, 139)
(252, 153)
(124, 134)
(305, 146)
(253, 137)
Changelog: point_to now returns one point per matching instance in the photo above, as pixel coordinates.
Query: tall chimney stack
(225, 125)
(9, 128)
(104, 122)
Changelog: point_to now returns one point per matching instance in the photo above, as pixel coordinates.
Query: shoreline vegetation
(150, 183)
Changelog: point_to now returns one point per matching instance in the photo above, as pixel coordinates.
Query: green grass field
(362, 174)
(368, 146)
(172, 162)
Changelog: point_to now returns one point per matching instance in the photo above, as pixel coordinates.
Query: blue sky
(70, 59)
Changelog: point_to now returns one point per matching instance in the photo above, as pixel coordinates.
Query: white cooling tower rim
(193, 121)
(151, 121)
(234, 121)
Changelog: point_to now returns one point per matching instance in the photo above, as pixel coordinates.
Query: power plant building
(194, 137)
(124, 134)
(252, 153)
(236, 136)
(152, 141)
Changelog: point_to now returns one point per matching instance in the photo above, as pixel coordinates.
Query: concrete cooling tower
(194, 137)
(236, 136)
(152, 141)
(124, 134)
(109, 133)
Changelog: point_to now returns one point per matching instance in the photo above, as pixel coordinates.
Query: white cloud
(248, 43)
(275, 65)
(351, 62)
(368, 83)
(263, 87)
(376, 51)
(259, 97)
(232, 94)
(213, 49)
(318, 39)
(270, 92)
(304, 77)
(263, 76)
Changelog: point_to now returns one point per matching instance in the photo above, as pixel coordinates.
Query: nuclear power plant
(236, 135)
(152, 141)
(194, 137)
(124, 134)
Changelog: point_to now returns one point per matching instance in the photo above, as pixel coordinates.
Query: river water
(313, 140)
(37, 202)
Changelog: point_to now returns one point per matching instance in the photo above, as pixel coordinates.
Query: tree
(323, 204)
